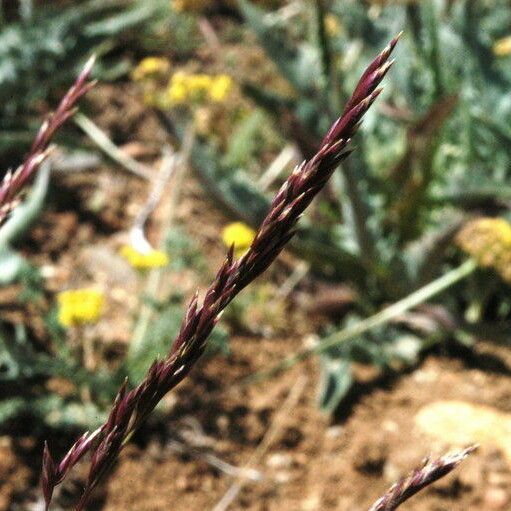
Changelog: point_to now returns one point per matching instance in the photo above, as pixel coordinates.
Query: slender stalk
(155, 277)
(100, 138)
(152, 282)
(277, 167)
(474, 198)
(384, 316)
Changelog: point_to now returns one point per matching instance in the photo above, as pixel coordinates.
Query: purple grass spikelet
(132, 407)
(419, 478)
(13, 182)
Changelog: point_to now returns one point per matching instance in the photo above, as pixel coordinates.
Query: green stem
(321, 40)
(474, 197)
(384, 316)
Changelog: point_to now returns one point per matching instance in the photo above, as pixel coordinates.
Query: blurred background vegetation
(251, 87)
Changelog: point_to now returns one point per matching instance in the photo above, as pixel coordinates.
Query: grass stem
(380, 318)
(100, 138)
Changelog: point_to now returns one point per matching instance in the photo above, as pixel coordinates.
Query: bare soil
(305, 460)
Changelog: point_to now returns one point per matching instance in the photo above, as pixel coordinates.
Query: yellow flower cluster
(502, 47)
(185, 88)
(332, 26)
(240, 235)
(488, 240)
(196, 6)
(79, 306)
(144, 261)
(151, 67)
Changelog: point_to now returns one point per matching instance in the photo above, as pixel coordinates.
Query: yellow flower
(196, 88)
(190, 5)
(177, 93)
(151, 67)
(177, 90)
(79, 306)
(488, 240)
(240, 235)
(502, 47)
(220, 88)
(332, 25)
(199, 83)
(144, 261)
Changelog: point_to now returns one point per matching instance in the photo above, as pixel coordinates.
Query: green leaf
(38, 58)
(26, 213)
(405, 348)
(12, 266)
(300, 65)
(335, 382)
(243, 141)
(123, 21)
(52, 410)
(322, 41)
(155, 344)
(184, 252)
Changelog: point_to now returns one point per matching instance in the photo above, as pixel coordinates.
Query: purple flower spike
(13, 182)
(130, 409)
(431, 471)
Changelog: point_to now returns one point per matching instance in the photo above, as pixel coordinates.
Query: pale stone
(496, 498)
(461, 423)
(279, 460)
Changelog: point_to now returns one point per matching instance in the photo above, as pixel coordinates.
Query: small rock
(390, 426)
(182, 483)
(334, 431)
(496, 498)
(5, 441)
(207, 484)
(501, 479)
(222, 422)
(283, 477)
(279, 460)
(425, 376)
(460, 423)
(312, 503)
(48, 271)
(310, 341)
